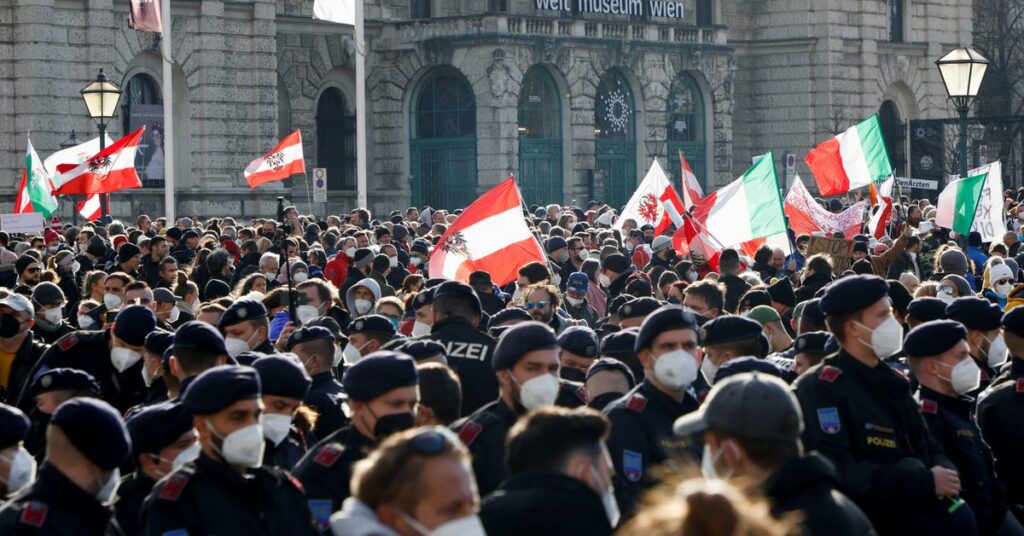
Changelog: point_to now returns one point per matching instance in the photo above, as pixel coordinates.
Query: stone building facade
(575, 99)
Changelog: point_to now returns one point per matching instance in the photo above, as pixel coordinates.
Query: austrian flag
(110, 170)
(280, 163)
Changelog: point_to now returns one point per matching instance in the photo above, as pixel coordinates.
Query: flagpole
(309, 192)
(706, 231)
(360, 48)
(168, 97)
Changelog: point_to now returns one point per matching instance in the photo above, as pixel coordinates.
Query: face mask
(306, 313)
(75, 267)
(464, 526)
(350, 253)
(584, 254)
(147, 376)
(1003, 289)
(575, 302)
(336, 360)
(965, 376)
(363, 306)
(85, 322)
(415, 261)
(22, 470)
(242, 447)
(708, 369)
(946, 297)
(186, 456)
(676, 369)
(556, 280)
(352, 354)
(707, 464)
(235, 346)
(611, 506)
(300, 277)
(537, 391)
(573, 375)
(393, 262)
(691, 276)
(392, 424)
(599, 402)
(269, 276)
(887, 338)
(124, 358)
(174, 315)
(997, 351)
(54, 316)
(111, 301)
(109, 488)
(420, 328)
(604, 280)
(564, 256)
(276, 426)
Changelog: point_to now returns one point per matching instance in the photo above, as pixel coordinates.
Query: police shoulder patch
(174, 486)
(329, 454)
(984, 375)
(929, 406)
(469, 432)
(829, 373)
(1020, 385)
(34, 514)
(637, 403)
(581, 393)
(828, 420)
(294, 481)
(632, 465)
(68, 341)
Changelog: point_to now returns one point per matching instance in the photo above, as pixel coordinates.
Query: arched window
(686, 128)
(540, 138)
(336, 140)
(443, 144)
(615, 133)
(142, 104)
(895, 134)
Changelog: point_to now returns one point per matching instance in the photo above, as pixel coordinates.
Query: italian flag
(749, 207)
(851, 160)
(35, 193)
(958, 203)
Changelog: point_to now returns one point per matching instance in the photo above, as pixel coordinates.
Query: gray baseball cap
(750, 405)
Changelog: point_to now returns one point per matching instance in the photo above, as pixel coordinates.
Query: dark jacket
(1000, 414)
(619, 285)
(469, 354)
(735, 288)
(584, 312)
(130, 495)
(25, 360)
(327, 396)
(326, 469)
(810, 286)
(808, 485)
(484, 433)
(55, 505)
(544, 504)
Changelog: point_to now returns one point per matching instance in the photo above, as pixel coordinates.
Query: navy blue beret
(133, 323)
(740, 365)
(458, 290)
(667, 318)
(282, 376)
(240, 311)
(95, 429)
(933, 338)
(158, 341)
(580, 340)
(309, 333)
(65, 379)
(813, 342)
(853, 293)
(832, 345)
(638, 307)
(1013, 321)
(610, 363)
(219, 387)
(158, 426)
(423, 298)
(372, 324)
(812, 311)
(423, 349)
(165, 359)
(926, 308)
(753, 298)
(975, 313)
(196, 334)
(513, 314)
(782, 291)
(728, 328)
(899, 295)
(248, 357)
(520, 340)
(14, 426)
(620, 343)
(378, 373)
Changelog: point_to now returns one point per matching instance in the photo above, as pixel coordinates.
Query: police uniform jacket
(484, 433)
(867, 424)
(208, 497)
(469, 354)
(288, 452)
(985, 376)
(544, 504)
(999, 415)
(570, 394)
(642, 438)
(326, 396)
(951, 422)
(53, 504)
(130, 495)
(326, 469)
(25, 359)
(807, 485)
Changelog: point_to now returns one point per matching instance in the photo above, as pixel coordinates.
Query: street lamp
(67, 144)
(962, 70)
(101, 99)
(655, 145)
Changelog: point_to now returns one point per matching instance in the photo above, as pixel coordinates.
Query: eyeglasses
(536, 305)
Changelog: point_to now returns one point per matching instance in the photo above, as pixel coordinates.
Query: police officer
(48, 391)
(162, 441)
(608, 379)
(727, 338)
(526, 367)
(316, 350)
(1001, 411)
(20, 468)
(113, 357)
(457, 314)
(227, 489)
(197, 347)
(382, 390)
(939, 354)
(577, 349)
(988, 347)
(152, 370)
(17, 315)
(246, 327)
(668, 347)
(284, 385)
(860, 414)
(87, 441)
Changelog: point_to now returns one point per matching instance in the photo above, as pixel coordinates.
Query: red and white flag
(807, 216)
(280, 163)
(22, 201)
(692, 192)
(90, 208)
(110, 170)
(882, 211)
(647, 204)
(490, 235)
(691, 239)
(144, 16)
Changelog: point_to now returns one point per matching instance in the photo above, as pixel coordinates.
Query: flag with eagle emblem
(490, 235)
(109, 170)
(647, 206)
(280, 163)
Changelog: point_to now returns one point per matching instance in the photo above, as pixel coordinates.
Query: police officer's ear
(646, 359)
(425, 416)
(202, 430)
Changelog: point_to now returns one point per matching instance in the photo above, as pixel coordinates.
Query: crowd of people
(299, 374)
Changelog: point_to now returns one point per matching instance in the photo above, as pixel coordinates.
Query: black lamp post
(962, 70)
(101, 99)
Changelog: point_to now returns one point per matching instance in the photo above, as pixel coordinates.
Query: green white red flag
(35, 193)
(851, 160)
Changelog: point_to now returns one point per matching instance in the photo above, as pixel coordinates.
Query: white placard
(31, 222)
